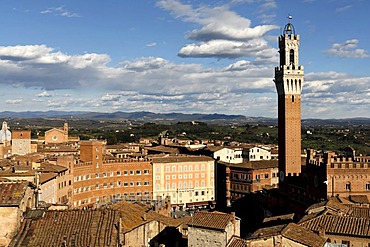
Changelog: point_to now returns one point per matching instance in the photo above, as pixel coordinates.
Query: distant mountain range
(173, 117)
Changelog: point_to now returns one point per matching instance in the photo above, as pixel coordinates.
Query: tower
(288, 80)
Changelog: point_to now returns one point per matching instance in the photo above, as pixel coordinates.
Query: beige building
(21, 142)
(187, 180)
(57, 135)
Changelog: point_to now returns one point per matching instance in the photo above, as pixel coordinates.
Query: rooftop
(211, 220)
(11, 193)
(71, 228)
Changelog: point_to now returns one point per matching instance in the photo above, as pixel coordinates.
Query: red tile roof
(11, 193)
(339, 225)
(236, 241)
(211, 220)
(134, 215)
(71, 227)
(302, 235)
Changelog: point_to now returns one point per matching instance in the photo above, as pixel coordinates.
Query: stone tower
(288, 80)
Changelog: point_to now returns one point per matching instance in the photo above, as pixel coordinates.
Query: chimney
(144, 217)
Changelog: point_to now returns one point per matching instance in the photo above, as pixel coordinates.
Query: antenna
(289, 17)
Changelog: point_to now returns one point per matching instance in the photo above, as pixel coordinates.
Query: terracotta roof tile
(133, 215)
(211, 220)
(180, 158)
(237, 242)
(11, 193)
(72, 227)
(302, 235)
(339, 225)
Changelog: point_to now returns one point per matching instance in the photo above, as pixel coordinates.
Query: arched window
(291, 57)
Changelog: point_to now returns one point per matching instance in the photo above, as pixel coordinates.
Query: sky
(185, 56)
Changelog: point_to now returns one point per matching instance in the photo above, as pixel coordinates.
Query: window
(348, 187)
(146, 171)
(138, 172)
(138, 183)
(104, 174)
(266, 175)
(168, 168)
(125, 184)
(173, 176)
(196, 193)
(180, 168)
(203, 167)
(347, 243)
(118, 173)
(131, 184)
(125, 173)
(367, 186)
(131, 172)
(111, 174)
(146, 183)
(196, 167)
(167, 177)
(173, 168)
(203, 192)
(105, 185)
(118, 183)
(180, 176)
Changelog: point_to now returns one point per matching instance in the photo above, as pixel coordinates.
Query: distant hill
(144, 116)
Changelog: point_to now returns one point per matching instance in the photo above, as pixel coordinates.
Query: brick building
(234, 181)
(330, 174)
(96, 180)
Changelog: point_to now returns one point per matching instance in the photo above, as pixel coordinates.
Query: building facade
(187, 180)
(98, 181)
(21, 142)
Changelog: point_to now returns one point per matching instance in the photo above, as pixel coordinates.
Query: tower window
(293, 99)
(291, 56)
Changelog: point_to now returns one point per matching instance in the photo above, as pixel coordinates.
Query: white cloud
(14, 101)
(151, 44)
(348, 49)
(218, 25)
(342, 9)
(59, 11)
(44, 94)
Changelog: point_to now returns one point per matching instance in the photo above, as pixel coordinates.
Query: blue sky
(191, 56)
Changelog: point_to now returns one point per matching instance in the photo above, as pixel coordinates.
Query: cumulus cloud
(218, 26)
(348, 49)
(44, 94)
(14, 101)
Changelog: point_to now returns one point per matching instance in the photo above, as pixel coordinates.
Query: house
(142, 225)
(291, 234)
(212, 229)
(15, 199)
(340, 221)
